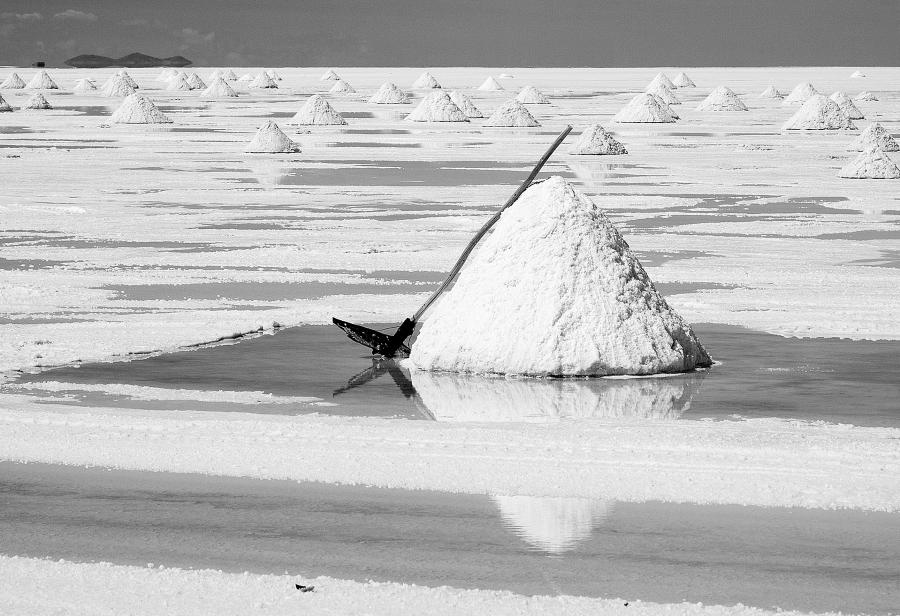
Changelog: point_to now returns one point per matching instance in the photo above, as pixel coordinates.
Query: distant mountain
(132, 60)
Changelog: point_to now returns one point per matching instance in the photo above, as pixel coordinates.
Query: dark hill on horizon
(132, 60)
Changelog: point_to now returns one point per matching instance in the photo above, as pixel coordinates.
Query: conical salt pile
(37, 101)
(219, 88)
(341, 87)
(138, 109)
(117, 86)
(645, 108)
(437, 107)
(84, 85)
(801, 93)
(857, 74)
(270, 139)
(876, 136)
(866, 96)
(229, 75)
(771, 92)
(426, 81)
(329, 75)
(664, 93)
(274, 75)
(530, 95)
(661, 79)
(672, 112)
(128, 79)
(594, 140)
(245, 78)
(722, 98)
(490, 84)
(683, 81)
(872, 164)
(4, 106)
(317, 111)
(847, 106)
(166, 74)
(195, 82)
(554, 290)
(465, 104)
(178, 82)
(819, 113)
(389, 94)
(263, 82)
(512, 113)
(42, 81)
(13, 82)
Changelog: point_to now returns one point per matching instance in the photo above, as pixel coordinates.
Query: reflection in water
(552, 524)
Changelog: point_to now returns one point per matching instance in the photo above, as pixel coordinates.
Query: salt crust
(263, 82)
(37, 101)
(683, 81)
(875, 135)
(819, 113)
(465, 104)
(771, 92)
(138, 109)
(389, 94)
(871, 163)
(13, 82)
(800, 94)
(722, 98)
(426, 81)
(437, 107)
(645, 108)
(530, 95)
(329, 75)
(341, 87)
(318, 111)
(490, 84)
(219, 88)
(555, 290)
(847, 106)
(594, 140)
(149, 394)
(512, 114)
(117, 86)
(270, 139)
(42, 81)
(663, 93)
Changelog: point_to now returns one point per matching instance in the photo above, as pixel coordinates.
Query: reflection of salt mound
(128, 79)
(329, 75)
(437, 107)
(683, 81)
(875, 136)
(37, 101)
(595, 140)
(871, 164)
(230, 75)
(13, 82)
(138, 109)
(341, 87)
(771, 92)
(857, 74)
(512, 114)
(318, 111)
(116, 86)
(645, 108)
(263, 82)
(389, 94)
(178, 83)
(426, 81)
(661, 79)
(866, 96)
(219, 88)
(722, 98)
(664, 94)
(553, 524)
(195, 82)
(819, 113)
(42, 81)
(490, 84)
(84, 85)
(800, 94)
(847, 106)
(4, 106)
(467, 106)
(270, 139)
(555, 290)
(530, 95)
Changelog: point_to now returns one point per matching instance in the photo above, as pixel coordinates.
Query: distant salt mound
(875, 136)
(846, 104)
(506, 76)
(42, 81)
(771, 92)
(437, 107)
(819, 113)
(270, 139)
(857, 75)
(195, 82)
(645, 108)
(555, 290)
(801, 93)
(129, 79)
(230, 75)
(663, 93)
(245, 78)
(529, 95)
(661, 79)
(318, 112)
(683, 81)
(426, 81)
(595, 141)
(274, 75)
(866, 96)
(465, 104)
(263, 82)
(871, 164)
(341, 87)
(138, 109)
(37, 101)
(166, 74)
(490, 84)
(13, 82)
(4, 106)
(178, 83)
(219, 88)
(84, 85)
(512, 114)
(210, 77)
(117, 87)
(389, 94)
(722, 98)
(329, 75)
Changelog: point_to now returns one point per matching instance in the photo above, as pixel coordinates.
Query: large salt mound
(84, 85)
(263, 82)
(866, 96)
(426, 81)
(341, 87)
(218, 88)
(771, 92)
(129, 79)
(437, 107)
(195, 82)
(318, 111)
(329, 75)
(116, 86)
(594, 140)
(389, 94)
(875, 136)
(683, 81)
(37, 101)
(800, 94)
(722, 98)
(532, 96)
(178, 82)
(42, 81)
(664, 94)
(4, 106)
(13, 82)
(555, 290)
(871, 164)
(490, 84)
(847, 106)
(819, 113)
(270, 139)
(138, 109)
(512, 114)
(467, 106)
(661, 79)
(230, 75)
(645, 108)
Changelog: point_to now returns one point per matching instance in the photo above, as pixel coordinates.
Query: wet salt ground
(770, 558)
(758, 375)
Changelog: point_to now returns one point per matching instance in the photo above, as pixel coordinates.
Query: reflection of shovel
(378, 368)
(389, 345)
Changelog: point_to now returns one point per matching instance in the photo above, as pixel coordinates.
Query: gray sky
(459, 32)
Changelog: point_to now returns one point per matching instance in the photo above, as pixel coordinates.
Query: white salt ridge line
(139, 392)
(34, 586)
(764, 462)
